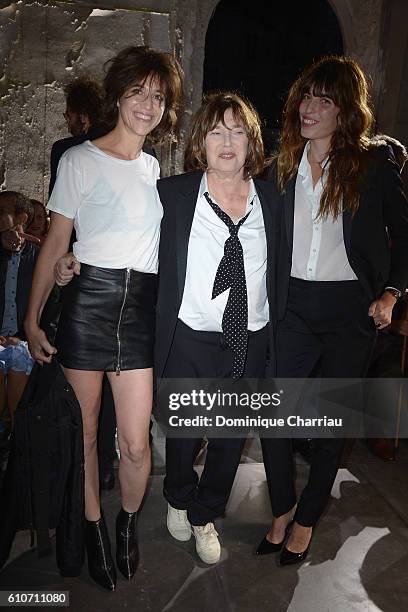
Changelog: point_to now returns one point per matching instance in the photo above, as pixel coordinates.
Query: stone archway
(360, 24)
(259, 48)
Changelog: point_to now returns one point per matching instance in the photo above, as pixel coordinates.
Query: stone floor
(358, 559)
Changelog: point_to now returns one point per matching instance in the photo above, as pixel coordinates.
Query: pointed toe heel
(288, 557)
(266, 548)
(100, 563)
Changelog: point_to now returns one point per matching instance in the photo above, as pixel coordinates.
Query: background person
(84, 117)
(39, 225)
(16, 272)
(386, 359)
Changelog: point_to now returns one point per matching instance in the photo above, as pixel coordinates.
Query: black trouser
(197, 354)
(106, 429)
(325, 322)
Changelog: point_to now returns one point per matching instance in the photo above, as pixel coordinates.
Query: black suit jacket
(178, 195)
(375, 238)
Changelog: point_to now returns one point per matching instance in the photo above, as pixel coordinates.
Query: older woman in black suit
(217, 272)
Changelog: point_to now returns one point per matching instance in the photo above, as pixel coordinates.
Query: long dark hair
(342, 80)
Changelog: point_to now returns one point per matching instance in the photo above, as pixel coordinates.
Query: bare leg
(299, 538)
(133, 394)
(16, 382)
(276, 533)
(87, 387)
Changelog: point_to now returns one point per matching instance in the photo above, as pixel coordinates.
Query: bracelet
(394, 292)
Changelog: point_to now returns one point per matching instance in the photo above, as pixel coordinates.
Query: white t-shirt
(115, 206)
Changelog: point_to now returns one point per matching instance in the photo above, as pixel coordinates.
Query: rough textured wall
(360, 21)
(44, 44)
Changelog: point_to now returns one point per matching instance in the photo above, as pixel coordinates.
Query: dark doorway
(258, 48)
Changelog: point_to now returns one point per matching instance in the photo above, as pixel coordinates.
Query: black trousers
(326, 323)
(197, 354)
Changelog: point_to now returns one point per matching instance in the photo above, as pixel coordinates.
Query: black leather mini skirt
(107, 321)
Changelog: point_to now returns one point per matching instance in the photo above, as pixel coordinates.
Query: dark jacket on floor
(43, 487)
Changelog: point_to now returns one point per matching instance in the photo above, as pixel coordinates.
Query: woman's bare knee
(135, 453)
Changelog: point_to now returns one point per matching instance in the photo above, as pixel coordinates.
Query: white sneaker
(178, 524)
(207, 544)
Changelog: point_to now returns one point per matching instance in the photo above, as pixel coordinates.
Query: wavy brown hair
(132, 66)
(212, 112)
(342, 80)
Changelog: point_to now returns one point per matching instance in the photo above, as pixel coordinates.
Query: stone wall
(44, 44)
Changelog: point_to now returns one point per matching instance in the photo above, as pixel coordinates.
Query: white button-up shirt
(205, 251)
(318, 252)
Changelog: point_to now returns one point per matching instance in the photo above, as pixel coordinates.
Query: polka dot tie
(231, 275)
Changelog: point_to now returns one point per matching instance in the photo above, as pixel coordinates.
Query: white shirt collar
(304, 163)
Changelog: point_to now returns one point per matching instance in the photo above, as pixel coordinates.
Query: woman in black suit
(215, 300)
(339, 274)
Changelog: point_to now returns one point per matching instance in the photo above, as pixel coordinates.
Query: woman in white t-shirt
(106, 190)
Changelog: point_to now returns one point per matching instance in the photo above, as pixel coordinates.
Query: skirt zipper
(120, 321)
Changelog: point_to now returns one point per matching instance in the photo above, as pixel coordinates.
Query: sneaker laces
(181, 515)
(207, 529)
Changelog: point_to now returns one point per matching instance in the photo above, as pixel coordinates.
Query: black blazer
(178, 195)
(375, 238)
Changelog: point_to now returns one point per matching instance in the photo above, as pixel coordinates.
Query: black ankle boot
(127, 550)
(100, 562)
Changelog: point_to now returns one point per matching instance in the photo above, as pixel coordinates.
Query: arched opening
(258, 48)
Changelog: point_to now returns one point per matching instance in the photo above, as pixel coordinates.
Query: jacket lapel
(186, 204)
(268, 223)
(266, 210)
(289, 210)
(347, 231)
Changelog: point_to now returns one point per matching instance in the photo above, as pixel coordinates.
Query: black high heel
(266, 547)
(287, 557)
(100, 562)
(127, 549)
